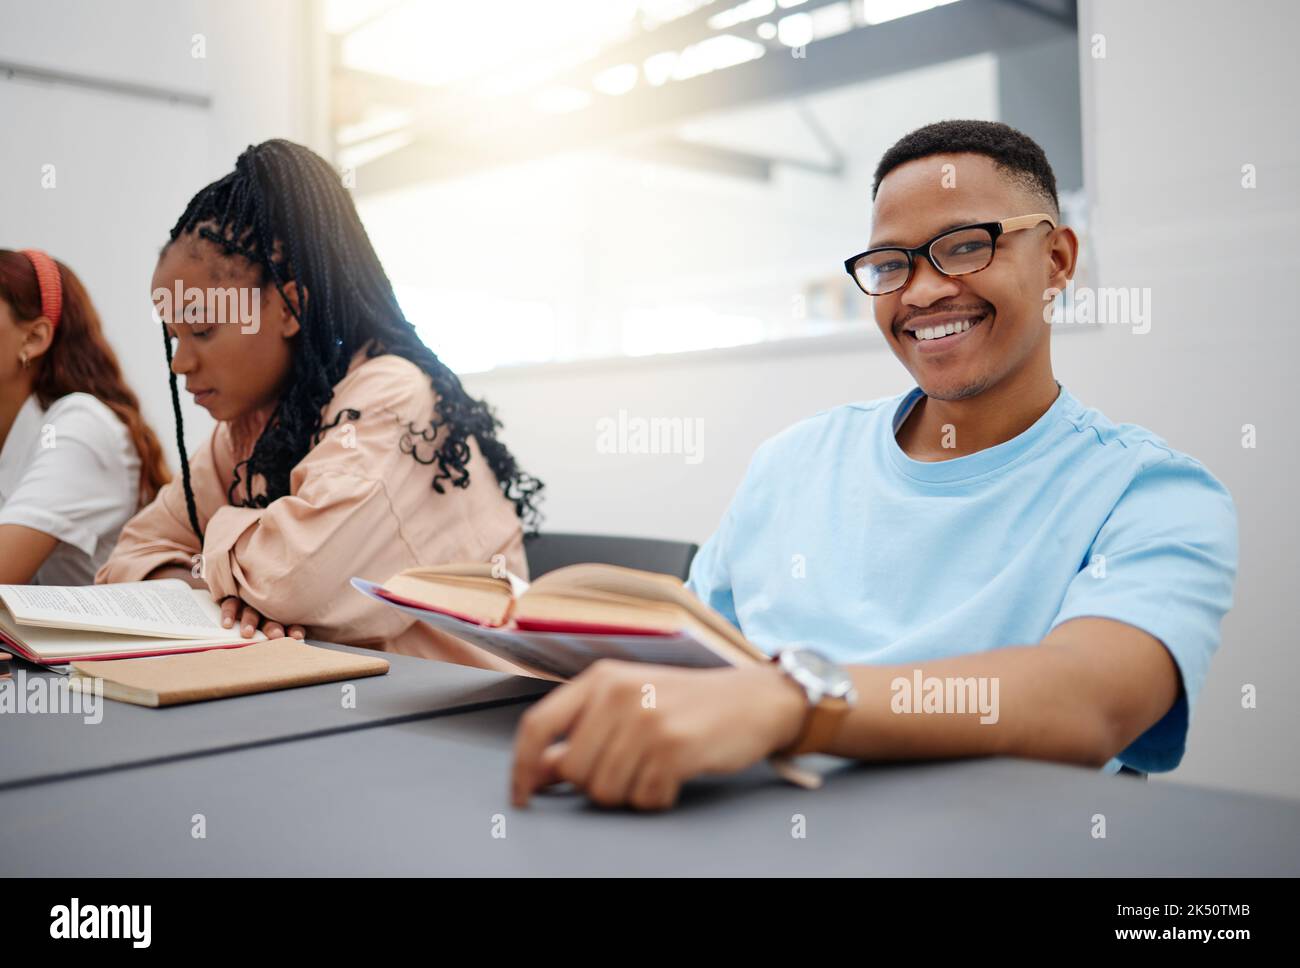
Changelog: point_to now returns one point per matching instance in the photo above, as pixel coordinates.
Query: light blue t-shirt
(838, 541)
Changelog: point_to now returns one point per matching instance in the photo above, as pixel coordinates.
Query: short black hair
(1014, 152)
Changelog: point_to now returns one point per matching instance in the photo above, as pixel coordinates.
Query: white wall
(1186, 95)
(126, 166)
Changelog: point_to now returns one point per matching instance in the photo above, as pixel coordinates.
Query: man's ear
(37, 338)
(1063, 251)
(296, 301)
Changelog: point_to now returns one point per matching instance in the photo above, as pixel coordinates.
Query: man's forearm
(1029, 701)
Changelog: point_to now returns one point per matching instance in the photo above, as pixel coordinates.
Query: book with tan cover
(569, 617)
(199, 676)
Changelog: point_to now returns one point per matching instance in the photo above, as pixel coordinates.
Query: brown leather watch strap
(820, 725)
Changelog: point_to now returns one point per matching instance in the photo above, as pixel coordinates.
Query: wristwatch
(830, 694)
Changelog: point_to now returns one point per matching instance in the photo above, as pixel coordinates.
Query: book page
(168, 608)
(473, 571)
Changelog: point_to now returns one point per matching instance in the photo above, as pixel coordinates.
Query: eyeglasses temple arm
(1026, 222)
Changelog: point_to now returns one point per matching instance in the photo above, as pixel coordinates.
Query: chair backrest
(547, 552)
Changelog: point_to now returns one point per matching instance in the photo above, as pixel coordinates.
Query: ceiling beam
(512, 131)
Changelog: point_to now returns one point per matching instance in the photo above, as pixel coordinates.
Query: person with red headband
(77, 459)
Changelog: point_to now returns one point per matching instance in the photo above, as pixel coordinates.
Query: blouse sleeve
(292, 560)
(160, 534)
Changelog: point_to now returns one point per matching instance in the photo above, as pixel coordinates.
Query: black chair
(547, 552)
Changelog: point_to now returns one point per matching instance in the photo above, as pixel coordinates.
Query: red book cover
(19, 650)
(411, 603)
(583, 628)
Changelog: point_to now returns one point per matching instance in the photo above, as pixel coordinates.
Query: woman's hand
(233, 609)
(632, 733)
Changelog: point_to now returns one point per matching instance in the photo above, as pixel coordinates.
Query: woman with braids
(343, 445)
(76, 457)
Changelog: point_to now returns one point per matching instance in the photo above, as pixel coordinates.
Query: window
(549, 182)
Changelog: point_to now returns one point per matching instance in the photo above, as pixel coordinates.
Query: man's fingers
(614, 772)
(229, 611)
(548, 768)
(273, 630)
(550, 717)
(297, 632)
(651, 789)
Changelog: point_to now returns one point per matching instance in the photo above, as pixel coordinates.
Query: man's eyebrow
(959, 223)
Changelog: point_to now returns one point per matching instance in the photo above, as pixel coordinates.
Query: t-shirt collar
(981, 462)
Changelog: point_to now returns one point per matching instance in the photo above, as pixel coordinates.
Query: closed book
(199, 676)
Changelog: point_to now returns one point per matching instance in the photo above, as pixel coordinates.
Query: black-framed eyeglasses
(956, 252)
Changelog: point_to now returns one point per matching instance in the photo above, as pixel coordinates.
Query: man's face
(1004, 301)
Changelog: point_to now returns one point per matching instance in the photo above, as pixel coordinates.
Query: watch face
(833, 680)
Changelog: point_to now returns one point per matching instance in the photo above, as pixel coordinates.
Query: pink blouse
(357, 505)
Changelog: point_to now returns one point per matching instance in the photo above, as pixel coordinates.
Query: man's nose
(928, 285)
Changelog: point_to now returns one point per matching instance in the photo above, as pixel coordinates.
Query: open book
(568, 618)
(571, 617)
(54, 624)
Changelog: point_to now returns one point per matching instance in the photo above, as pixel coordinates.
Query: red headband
(51, 283)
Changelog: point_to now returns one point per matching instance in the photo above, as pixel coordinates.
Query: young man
(985, 549)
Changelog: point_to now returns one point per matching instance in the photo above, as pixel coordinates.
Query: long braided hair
(285, 210)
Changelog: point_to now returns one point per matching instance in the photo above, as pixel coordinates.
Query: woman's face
(16, 338)
(11, 343)
(232, 339)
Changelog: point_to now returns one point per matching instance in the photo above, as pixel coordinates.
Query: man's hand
(632, 733)
(234, 609)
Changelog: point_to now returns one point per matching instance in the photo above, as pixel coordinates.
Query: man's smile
(940, 333)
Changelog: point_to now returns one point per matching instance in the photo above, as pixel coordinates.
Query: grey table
(40, 747)
(426, 797)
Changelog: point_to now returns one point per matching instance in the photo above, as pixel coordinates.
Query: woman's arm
(158, 537)
(160, 543)
(176, 571)
(22, 552)
(293, 558)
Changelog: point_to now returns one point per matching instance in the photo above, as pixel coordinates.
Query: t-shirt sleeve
(710, 577)
(1165, 561)
(78, 486)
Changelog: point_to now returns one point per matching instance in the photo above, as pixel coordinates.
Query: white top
(72, 472)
